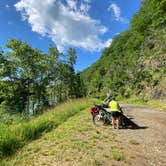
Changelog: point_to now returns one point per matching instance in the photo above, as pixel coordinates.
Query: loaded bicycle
(100, 116)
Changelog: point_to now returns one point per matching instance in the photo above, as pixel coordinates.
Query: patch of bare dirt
(145, 145)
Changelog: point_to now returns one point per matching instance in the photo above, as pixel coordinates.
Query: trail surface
(145, 146)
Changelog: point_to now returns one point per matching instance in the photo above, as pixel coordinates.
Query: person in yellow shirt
(115, 108)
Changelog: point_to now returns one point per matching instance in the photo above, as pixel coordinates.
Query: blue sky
(87, 25)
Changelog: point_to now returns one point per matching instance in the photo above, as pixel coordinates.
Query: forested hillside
(135, 62)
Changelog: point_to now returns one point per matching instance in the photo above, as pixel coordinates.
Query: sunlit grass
(13, 137)
(75, 142)
(117, 154)
(159, 104)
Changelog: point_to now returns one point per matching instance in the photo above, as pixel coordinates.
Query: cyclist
(115, 108)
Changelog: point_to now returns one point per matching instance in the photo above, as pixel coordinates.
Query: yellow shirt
(113, 105)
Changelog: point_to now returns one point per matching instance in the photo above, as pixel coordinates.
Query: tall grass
(8, 141)
(11, 138)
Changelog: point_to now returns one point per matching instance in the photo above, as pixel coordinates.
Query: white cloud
(108, 43)
(72, 4)
(67, 23)
(117, 13)
(113, 7)
(84, 8)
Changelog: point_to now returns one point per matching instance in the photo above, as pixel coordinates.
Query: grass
(159, 104)
(8, 141)
(117, 155)
(16, 136)
(74, 142)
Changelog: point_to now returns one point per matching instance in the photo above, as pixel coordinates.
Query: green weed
(117, 154)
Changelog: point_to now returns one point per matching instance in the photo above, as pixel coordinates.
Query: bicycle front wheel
(98, 120)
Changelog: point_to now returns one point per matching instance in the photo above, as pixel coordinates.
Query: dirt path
(145, 146)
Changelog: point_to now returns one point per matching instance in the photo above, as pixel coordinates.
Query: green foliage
(117, 155)
(29, 79)
(134, 62)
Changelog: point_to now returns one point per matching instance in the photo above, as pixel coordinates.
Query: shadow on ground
(127, 123)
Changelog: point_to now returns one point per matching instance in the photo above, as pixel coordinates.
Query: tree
(25, 70)
(31, 81)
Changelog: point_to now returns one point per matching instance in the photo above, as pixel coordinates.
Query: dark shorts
(115, 114)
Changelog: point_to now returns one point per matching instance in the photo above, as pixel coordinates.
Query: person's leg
(113, 122)
(117, 119)
(117, 123)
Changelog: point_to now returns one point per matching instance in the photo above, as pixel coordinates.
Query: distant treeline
(31, 81)
(135, 62)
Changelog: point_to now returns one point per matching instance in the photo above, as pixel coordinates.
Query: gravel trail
(145, 145)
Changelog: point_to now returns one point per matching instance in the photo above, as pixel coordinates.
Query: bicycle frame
(105, 114)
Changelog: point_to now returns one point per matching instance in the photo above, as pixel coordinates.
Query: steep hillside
(134, 64)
